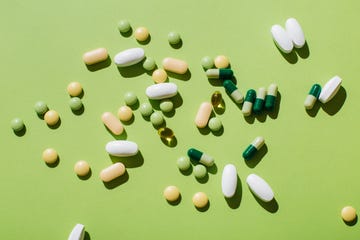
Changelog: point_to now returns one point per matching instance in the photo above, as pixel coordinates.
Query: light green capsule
(156, 118)
(146, 109)
(166, 105)
(17, 124)
(40, 108)
(207, 62)
(215, 124)
(75, 104)
(174, 38)
(200, 171)
(130, 98)
(183, 163)
(149, 64)
(124, 26)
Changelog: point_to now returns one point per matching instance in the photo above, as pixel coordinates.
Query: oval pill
(229, 180)
(260, 187)
(112, 123)
(330, 89)
(121, 148)
(203, 114)
(114, 171)
(175, 65)
(295, 32)
(282, 39)
(161, 91)
(129, 57)
(77, 233)
(95, 56)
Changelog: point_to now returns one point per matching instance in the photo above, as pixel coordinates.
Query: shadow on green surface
(99, 66)
(218, 132)
(147, 41)
(177, 45)
(351, 223)
(187, 172)
(87, 236)
(303, 52)
(185, 77)
(334, 105)
(271, 206)
(234, 202)
(131, 161)
(117, 181)
(127, 34)
(129, 122)
(79, 111)
(86, 177)
(204, 179)
(54, 164)
(204, 209)
(254, 161)
(213, 169)
(314, 111)
(132, 71)
(176, 202)
(274, 113)
(21, 132)
(135, 106)
(55, 126)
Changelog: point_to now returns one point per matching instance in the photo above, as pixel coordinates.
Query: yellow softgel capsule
(348, 214)
(51, 117)
(159, 75)
(200, 200)
(141, 34)
(74, 89)
(221, 61)
(125, 113)
(50, 156)
(82, 168)
(171, 193)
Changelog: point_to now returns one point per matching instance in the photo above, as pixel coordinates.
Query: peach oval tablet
(203, 114)
(175, 65)
(95, 56)
(112, 123)
(114, 171)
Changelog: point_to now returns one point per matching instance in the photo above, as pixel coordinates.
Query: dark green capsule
(315, 90)
(250, 96)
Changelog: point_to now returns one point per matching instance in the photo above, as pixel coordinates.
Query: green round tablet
(183, 163)
(149, 64)
(40, 108)
(17, 124)
(207, 62)
(200, 171)
(166, 105)
(130, 98)
(75, 103)
(146, 109)
(174, 38)
(156, 118)
(124, 26)
(215, 124)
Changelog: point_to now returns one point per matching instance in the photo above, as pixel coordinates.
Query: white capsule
(295, 32)
(229, 181)
(330, 89)
(78, 232)
(129, 57)
(121, 148)
(282, 38)
(161, 91)
(260, 188)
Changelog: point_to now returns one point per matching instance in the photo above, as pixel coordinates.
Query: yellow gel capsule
(203, 114)
(221, 61)
(175, 65)
(50, 156)
(200, 200)
(51, 117)
(159, 75)
(114, 171)
(112, 123)
(95, 56)
(171, 193)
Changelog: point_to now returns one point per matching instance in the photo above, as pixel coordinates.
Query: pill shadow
(259, 155)
(204, 179)
(169, 114)
(271, 206)
(117, 181)
(131, 161)
(314, 111)
(130, 121)
(128, 33)
(213, 169)
(122, 136)
(177, 45)
(79, 111)
(54, 164)
(134, 106)
(147, 41)
(171, 143)
(250, 119)
(334, 105)
(205, 208)
(55, 126)
(187, 172)
(177, 100)
(86, 177)
(162, 125)
(261, 116)
(220, 109)
(185, 77)
(81, 95)
(98, 66)
(176, 202)
(234, 201)
(219, 82)
(131, 71)
(204, 131)
(87, 236)
(303, 52)
(351, 223)
(274, 113)
(21, 132)
(219, 132)
(290, 57)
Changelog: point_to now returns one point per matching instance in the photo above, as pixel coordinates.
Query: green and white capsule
(260, 100)
(313, 95)
(200, 157)
(248, 103)
(233, 91)
(271, 95)
(253, 148)
(219, 73)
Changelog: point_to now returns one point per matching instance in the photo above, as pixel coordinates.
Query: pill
(171, 193)
(216, 99)
(166, 105)
(156, 118)
(221, 61)
(17, 124)
(141, 34)
(203, 115)
(174, 38)
(77, 233)
(330, 89)
(50, 156)
(200, 171)
(282, 39)
(222, 73)
(129, 57)
(312, 96)
(161, 91)
(75, 103)
(146, 109)
(253, 148)
(207, 62)
(125, 113)
(124, 26)
(130, 98)
(121, 148)
(40, 108)
(295, 32)
(175, 65)
(159, 75)
(113, 171)
(200, 200)
(233, 91)
(166, 134)
(74, 89)
(229, 180)
(183, 163)
(95, 56)
(81, 168)
(260, 100)
(215, 124)
(260, 188)
(200, 157)
(112, 123)
(271, 95)
(248, 103)
(149, 64)
(348, 214)
(51, 117)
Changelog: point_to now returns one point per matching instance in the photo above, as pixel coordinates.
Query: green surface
(311, 160)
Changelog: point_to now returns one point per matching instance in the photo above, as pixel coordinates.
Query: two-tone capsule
(260, 100)
(233, 91)
(219, 73)
(253, 148)
(313, 95)
(200, 157)
(270, 98)
(248, 103)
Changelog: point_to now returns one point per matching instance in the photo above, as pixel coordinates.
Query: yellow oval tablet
(95, 56)
(114, 171)
(112, 123)
(175, 65)
(203, 114)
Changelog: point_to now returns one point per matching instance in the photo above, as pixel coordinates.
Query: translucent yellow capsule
(216, 99)
(167, 135)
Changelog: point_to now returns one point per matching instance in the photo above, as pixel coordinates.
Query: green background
(311, 162)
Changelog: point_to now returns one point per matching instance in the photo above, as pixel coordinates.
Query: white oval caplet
(121, 148)
(229, 180)
(282, 39)
(330, 89)
(295, 32)
(78, 232)
(129, 57)
(161, 91)
(260, 188)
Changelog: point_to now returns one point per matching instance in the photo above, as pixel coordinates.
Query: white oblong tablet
(161, 91)
(129, 57)
(121, 148)
(281, 38)
(78, 232)
(330, 89)
(229, 180)
(260, 188)
(295, 32)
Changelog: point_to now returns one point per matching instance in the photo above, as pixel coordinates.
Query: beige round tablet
(141, 34)
(348, 214)
(50, 156)
(171, 193)
(125, 113)
(74, 89)
(51, 117)
(82, 168)
(159, 75)
(221, 61)
(200, 200)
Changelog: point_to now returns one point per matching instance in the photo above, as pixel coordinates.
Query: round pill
(159, 75)
(124, 26)
(141, 34)
(166, 105)
(171, 193)
(174, 38)
(149, 64)
(50, 156)
(75, 103)
(200, 171)
(125, 113)
(348, 214)
(221, 61)
(146, 109)
(130, 98)
(17, 124)
(40, 108)
(74, 89)
(200, 200)
(183, 163)
(156, 118)
(51, 117)
(82, 168)
(215, 124)
(207, 62)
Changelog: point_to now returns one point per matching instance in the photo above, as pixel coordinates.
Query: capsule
(203, 115)
(175, 65)
(95, 56)
(232, 90)
(219, 73)
(271, 95)
(216, 99)
(248, 103)
(112, 123)
(330, 89)
(113, 171)
(253, 148)
(260, 100)
(200, 157)
(313, 95)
